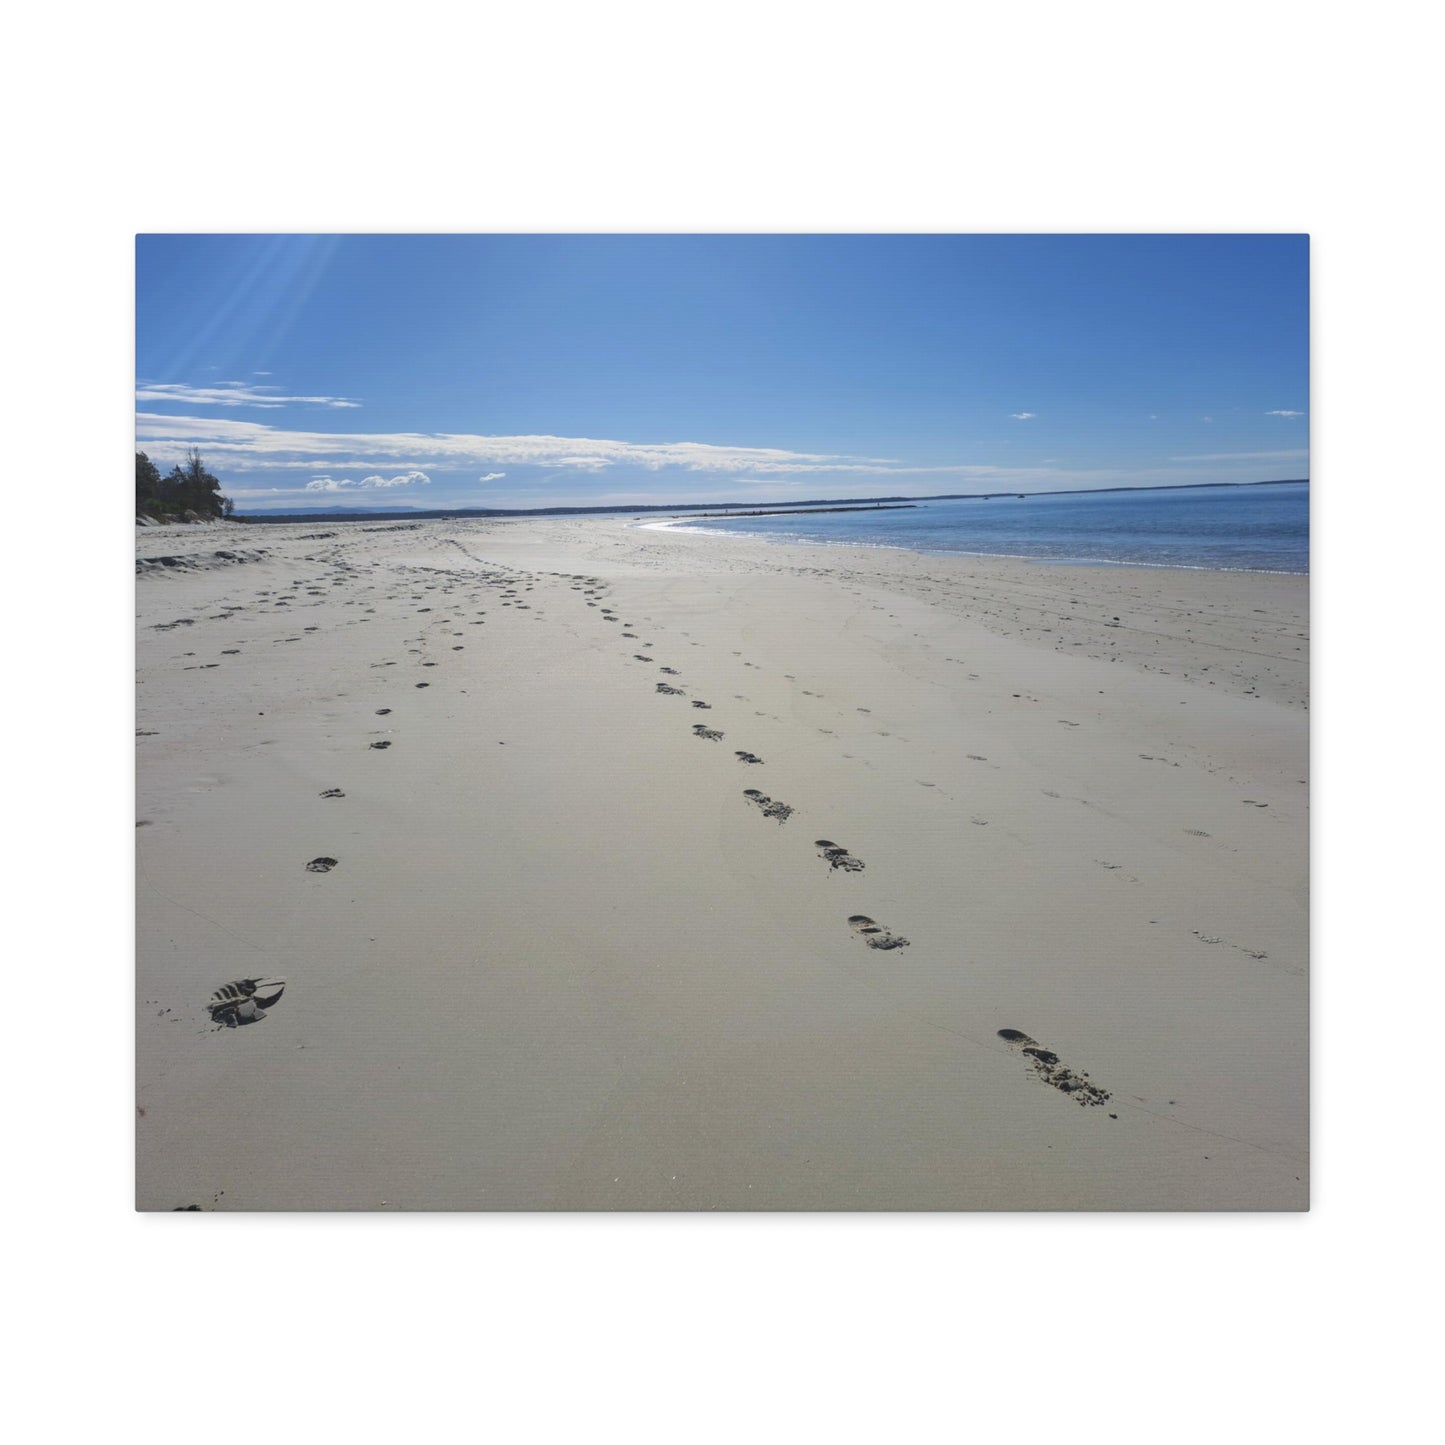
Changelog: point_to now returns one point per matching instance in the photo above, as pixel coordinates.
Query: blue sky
(532, 371)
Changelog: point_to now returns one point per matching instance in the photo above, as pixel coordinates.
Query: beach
(666, 871)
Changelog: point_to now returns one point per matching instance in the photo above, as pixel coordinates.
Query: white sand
(562, 963)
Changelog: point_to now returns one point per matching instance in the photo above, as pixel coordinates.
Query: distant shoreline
(346, 514)
(801, 511)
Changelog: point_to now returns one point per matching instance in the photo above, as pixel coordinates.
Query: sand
(564, 961)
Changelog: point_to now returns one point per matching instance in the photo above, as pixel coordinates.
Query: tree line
(187, 493)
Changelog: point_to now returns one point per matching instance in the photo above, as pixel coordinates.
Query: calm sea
(1253, 529)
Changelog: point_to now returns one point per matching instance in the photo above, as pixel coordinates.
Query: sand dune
(613, 868)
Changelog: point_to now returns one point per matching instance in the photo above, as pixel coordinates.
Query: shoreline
(679, 524)
(564, 961)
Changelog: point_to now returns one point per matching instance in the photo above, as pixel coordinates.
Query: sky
(550, 371)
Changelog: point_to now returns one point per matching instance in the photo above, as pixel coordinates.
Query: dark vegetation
(187, 494)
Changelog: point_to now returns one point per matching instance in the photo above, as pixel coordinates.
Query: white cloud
(233, 393)
(251, 445)
(1284, 413)
(260, 373)
(407, 479)
(333, 460)
(1293, 453)
(1206, 418)
(370, 484)
(1023, 415)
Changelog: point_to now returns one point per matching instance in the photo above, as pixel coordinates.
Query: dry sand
(563, 961)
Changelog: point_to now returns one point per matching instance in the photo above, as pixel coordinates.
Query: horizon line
(425, 512)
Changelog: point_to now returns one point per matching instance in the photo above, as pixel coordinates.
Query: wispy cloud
(251, 445)
(1023, 415)
(242, 446)
(1291, 454)
(345, 484)
(1284, 413)
(234, 393)
(335, 462)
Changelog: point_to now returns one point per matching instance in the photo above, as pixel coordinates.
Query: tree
(200, 491)
(188, 488)
(147, 481)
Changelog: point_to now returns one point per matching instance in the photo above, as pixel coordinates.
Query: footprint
(697, 703)
(333, 793)
(873, 935)
(711, 734)
(769, 808)
(671, 691)
(747, 757)
(837, 857)
(321, 865)
(239, 1003)
(1052, 1072)
(383, 744)
(382, 711)
(1196, 832)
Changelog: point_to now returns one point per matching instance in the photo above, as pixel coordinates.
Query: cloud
(1284, 413)
(1023, 415)
(233, 393)
(260, 373)
(370, 484)
(1291, 454)
(413, 478)
(333, 460)
(251, 445)
(1206, 418)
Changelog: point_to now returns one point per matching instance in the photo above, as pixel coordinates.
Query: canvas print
(722, 722)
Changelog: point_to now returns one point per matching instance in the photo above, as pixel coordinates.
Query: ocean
(1251, 529)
